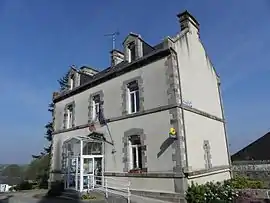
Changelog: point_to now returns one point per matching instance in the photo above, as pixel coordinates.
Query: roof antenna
(113, 36)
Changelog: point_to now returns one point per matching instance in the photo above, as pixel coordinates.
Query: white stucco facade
(178, 88)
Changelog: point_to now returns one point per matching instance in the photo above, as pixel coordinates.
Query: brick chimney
(188, 21)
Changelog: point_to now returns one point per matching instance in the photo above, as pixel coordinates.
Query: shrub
(88, 197)
(210, 192)
(221, 192)
(240, 182)
(25, 185)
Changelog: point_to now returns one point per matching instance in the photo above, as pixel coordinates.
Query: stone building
(154, 117)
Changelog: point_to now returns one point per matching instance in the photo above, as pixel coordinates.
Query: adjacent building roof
(257, 150)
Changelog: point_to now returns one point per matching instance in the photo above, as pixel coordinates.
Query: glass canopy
(82, 161)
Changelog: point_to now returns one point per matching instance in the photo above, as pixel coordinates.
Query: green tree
(63, 82)
(13, 174)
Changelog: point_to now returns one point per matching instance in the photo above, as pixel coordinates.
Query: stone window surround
(125, 101)
(90, 104)
(65, 114)
(127, 134)
(207, 154)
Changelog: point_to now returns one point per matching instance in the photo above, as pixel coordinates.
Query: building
(255, 151)
(5, 188)
(154, 118)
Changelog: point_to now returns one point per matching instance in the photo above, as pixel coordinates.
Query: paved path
(27, 197)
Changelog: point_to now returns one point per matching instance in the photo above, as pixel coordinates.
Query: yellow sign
(172, 132)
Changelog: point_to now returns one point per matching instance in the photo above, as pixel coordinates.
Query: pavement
(27, 197)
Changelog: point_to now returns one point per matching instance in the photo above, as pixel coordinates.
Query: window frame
(133, 98)
(131, 51)
(70, 115)
(135, 164)
(72, 81)
(96, 107)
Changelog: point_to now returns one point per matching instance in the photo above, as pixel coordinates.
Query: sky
(39, 40)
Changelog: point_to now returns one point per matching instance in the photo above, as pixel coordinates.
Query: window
(72, 82)
(135, 152)
(133, 97)
(96, 108)
(131, 52)
(70, 116)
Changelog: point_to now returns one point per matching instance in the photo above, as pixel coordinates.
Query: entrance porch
(83, 163)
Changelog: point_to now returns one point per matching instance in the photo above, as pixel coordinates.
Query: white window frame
(96, 109)
(130, 104)
(132, 164)
(131, 47)
(72, 81)
(70, 116)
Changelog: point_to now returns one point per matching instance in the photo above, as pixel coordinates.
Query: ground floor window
(135, 152)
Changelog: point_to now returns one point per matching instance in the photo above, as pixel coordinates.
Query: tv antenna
(113, 36)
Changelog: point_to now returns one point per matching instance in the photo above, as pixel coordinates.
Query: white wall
(198, 129)
(155, 94)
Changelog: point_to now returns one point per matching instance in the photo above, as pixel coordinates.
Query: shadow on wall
(165, 145)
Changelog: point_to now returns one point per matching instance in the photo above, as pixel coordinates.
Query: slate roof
(257, 150)
(110, 72)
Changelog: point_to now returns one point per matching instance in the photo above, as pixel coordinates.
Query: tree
(12, 174)
(63, 82)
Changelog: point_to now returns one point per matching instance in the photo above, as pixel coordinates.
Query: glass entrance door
(88, 173)
(92, 173)
(71, 172)
(98, 171)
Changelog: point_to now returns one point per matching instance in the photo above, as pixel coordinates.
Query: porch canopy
(82, 145)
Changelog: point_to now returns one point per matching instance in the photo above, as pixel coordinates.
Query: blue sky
(40, 39)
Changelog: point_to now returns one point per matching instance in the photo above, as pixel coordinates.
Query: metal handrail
(122, 186)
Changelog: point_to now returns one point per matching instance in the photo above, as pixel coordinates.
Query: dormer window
(72, 81)
(131, 51)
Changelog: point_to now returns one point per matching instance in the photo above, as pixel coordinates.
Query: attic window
(72, 81)
(131, 51)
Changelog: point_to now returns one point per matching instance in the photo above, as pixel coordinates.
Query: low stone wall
(255, 170)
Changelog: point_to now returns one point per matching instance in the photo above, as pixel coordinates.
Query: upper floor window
(70, 116)
(72, 81)
(96, 108)
(135, 152)
(131, 51)
(133, 97)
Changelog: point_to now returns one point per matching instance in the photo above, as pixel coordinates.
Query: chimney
(116, 57)
(188, 21)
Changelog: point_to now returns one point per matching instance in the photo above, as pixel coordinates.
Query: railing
(112, 185)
